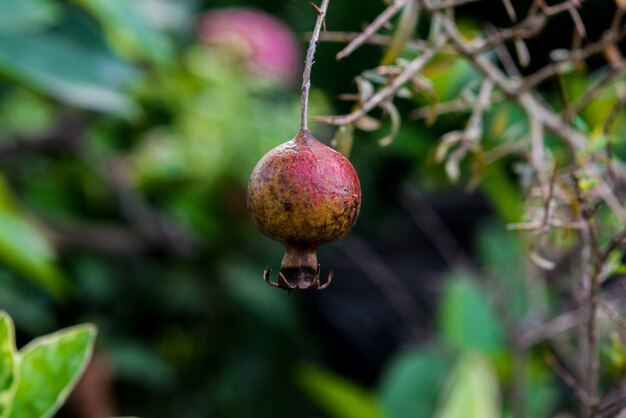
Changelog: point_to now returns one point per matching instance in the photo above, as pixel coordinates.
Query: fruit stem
(299, 266)
(308, 62)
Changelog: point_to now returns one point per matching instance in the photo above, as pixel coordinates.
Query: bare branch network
(562, 195)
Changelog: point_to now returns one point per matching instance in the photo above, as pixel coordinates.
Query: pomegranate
(303, 194)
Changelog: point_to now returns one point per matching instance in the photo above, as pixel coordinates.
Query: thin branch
(557, 8)
(575, 139)
(527, 28)
(473, 130)
(538, 154)
(541, 226)
(142, 218)
(375, 39)
(558, 325)
(459, 105)
(568, 379)
(615, 316)
(105, 238)
(578, 22)
(596, 90)
(308, 62)
(608, 38)
(510, 10)
(550, 329)
(372, 28)
(604, 409)
(388, 91)
(431, 224)
(504, 56)
(613, 244)
(547, 204)
(617, 19)
(450, 4)
(589, 284)
(384, 278)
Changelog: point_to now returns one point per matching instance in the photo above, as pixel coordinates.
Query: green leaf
(62, 68)
(449, 75)
(339, 397)
(404, 30)
(411, 382)
(472, 391)
(542, 390)
(49, 368)
(466, 318)
(8, 364)
(21, 16)
(24, 248)
(129, 30)
(502, 192)
(502, 256)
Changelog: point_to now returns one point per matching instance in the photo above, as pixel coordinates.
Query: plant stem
(308, 62)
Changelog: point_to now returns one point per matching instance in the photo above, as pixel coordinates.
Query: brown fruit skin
(303, 194)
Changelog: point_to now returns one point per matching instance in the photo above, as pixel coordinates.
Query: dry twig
(372, 28)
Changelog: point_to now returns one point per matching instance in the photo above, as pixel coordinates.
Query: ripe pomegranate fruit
(303, 194)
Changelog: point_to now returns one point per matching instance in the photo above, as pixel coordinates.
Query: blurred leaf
(129, 31)
(244, 285)
(404, 30)
(8, 364)
(466, 318)
(24, 248)
(449, 75)
(339, 397)
(25, 114)
(62, 68)
(523, 55)
(344, 138)
(31, 314)
(614, 263)
(49, 368)
(501, 254)
(502, 193)
(365, 87)
(212, 100)
(411, 382)
(20, 16)
(594, 115)
(421, 84)
(542, 390)
(472, 391)
(541, 261)
(505, 122)
(367, 123)
(140, 364)
(446, 143)
(395, 123)
(177, 15)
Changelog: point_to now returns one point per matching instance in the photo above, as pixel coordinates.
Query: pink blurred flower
(269, 48)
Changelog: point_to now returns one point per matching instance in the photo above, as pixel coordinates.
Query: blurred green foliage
(24, 247)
